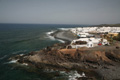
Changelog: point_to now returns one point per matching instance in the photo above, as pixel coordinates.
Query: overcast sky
(60, 11)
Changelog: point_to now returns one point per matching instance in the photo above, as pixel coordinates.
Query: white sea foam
(50, 32)
(62, 72)
(21, 51)
(49, 35)
(83, 74)
(25, 64)
(3, 57)
(52, 37)
(61, 40)
(73, 75)
(12, 61)
(21, 54)
(64, 29)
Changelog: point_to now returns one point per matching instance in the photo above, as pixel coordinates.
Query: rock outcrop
(58, 57)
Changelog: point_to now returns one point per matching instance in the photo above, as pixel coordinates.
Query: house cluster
(87, 38)
(88, 42)
(95, 30)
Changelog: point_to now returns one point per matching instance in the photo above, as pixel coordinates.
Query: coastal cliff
(98, 63)
(104, 60)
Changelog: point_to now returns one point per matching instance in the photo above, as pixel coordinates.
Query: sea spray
(52, 37)
(49, 35)
(18, 32)
(12, 61)
(73, 75)
(19, 52)
(64, 29)
(61, 40)
(3, 57)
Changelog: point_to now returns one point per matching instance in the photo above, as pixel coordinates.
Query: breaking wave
(64, 28)
(52, 37)
(12, 61)
(19, 52)
(61, 40)
(3, 57)
(73, 75)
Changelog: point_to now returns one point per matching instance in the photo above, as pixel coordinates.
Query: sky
(60, 11)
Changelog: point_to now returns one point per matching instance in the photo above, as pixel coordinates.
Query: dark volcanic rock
(57, 57)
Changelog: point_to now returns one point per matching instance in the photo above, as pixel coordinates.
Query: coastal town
(59, 39)
(93, 52)
(94, 36)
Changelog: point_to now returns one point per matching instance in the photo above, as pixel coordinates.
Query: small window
(91, 45)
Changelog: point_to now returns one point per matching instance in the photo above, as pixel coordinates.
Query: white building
(95, 29)
(91, 42)
(82, 34)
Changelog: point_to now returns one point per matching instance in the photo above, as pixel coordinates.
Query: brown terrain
(103, 60)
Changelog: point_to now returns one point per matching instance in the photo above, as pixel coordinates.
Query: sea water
(21, 39)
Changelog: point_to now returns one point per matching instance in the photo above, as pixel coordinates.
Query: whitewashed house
(83, 35)
(90, 42)
(95, 29)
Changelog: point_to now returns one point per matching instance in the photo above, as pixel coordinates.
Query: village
(92, 50)
(94, 36)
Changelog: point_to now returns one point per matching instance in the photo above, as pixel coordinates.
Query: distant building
(113, 34)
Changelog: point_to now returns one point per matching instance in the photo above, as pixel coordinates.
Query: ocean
(22, 39)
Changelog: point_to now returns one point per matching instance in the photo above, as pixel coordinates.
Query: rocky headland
(104, 61)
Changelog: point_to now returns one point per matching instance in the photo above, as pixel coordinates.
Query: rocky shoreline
(98, 63)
